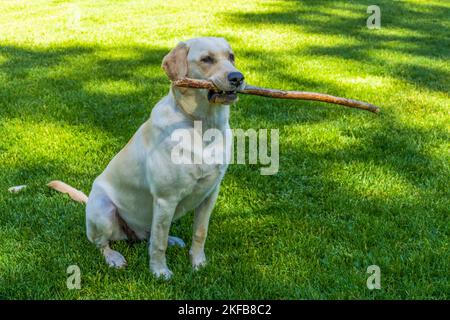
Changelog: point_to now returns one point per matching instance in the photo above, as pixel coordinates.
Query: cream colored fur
(142, 186)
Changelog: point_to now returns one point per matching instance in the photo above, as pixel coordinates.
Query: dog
(141, 191)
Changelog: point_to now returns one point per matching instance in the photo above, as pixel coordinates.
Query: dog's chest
(205, 156)
(207, 179)
(205, 175)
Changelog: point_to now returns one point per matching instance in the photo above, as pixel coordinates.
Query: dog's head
(208, 59)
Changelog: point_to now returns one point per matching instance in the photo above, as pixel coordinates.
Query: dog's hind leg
(102, 226)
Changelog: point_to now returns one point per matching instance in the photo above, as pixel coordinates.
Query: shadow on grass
(65, 85)
(339, 222)
(425, 37)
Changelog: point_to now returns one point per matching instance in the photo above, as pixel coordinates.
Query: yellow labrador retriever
(142, 190)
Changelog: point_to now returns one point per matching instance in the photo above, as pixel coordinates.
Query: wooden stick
(281, 94)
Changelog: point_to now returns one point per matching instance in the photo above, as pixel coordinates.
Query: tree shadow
(65, 85)
(420, 35)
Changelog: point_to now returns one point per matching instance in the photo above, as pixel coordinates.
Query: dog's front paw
(198, 260)
(115, 260)
(162, 272)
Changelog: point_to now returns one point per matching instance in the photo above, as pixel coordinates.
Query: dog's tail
(75, 194)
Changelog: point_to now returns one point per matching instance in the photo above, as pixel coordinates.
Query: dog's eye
(231, 57)
(207, 59)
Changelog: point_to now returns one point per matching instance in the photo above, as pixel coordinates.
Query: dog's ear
(175, 62)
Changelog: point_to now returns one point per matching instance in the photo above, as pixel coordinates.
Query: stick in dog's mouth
(227, 97)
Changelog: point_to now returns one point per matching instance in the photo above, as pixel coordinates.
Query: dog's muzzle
(235, 80)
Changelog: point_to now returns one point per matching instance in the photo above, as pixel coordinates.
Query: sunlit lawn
(354, 189)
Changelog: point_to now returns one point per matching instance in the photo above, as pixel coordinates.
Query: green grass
(354, 189)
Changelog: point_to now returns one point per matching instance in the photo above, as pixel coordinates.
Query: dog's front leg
(163, 211)
(201, 222)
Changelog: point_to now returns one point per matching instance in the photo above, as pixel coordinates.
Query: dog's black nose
(235, 78)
